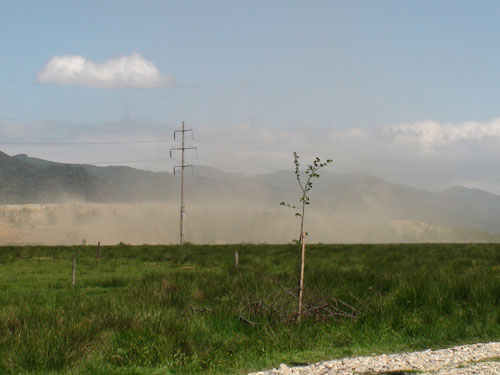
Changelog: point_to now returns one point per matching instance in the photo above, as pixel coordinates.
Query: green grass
(171, 310)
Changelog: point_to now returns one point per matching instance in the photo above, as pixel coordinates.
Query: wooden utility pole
(73, 281)
(301, 277)
(182, 166)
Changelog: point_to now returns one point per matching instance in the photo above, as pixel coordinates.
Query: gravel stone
(483, 358)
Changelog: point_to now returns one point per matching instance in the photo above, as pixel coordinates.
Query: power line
(85, 143)
(125, 161)
(120, 180)
(237, 155)
(214, 160)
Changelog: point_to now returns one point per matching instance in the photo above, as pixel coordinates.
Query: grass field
(166, 309)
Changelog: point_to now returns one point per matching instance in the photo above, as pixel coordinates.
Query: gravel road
(459, 360)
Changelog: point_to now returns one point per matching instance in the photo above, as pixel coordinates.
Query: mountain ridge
(357, 197)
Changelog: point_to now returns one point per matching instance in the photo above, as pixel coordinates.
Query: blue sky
(384, 86)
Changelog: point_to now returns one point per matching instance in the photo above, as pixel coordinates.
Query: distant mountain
(472, 207)
(24, 179)
(358, 206)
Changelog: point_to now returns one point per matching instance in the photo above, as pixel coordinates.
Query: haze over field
(64, 204)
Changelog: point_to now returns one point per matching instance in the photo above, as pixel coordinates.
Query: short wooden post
(301, 277)
(74, 271)
(236, 259)
(98, 251)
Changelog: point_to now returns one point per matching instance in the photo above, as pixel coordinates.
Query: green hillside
(25, 179)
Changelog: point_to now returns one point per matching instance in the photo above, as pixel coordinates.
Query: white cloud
(126, 71)
(432, 134)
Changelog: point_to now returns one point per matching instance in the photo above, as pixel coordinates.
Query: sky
(405, 90)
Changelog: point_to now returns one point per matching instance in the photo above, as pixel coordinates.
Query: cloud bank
(122, 72)
(425, 154)
(432, 134)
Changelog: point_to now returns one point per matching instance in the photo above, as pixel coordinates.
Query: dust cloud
(158, 223)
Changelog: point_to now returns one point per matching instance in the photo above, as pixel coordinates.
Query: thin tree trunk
(299, 252)
(301, 277)
(302, 222)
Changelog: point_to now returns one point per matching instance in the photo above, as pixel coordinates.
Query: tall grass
(166, 309)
